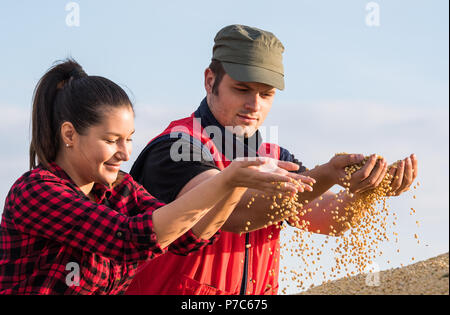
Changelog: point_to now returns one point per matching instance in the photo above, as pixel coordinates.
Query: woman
(75, 224)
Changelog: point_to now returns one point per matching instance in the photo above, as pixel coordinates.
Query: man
(240, 84)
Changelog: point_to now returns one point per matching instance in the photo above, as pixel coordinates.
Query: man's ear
(68, 134)
(209, 80)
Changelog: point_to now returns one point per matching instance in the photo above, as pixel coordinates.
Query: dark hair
(218, 70)
(67, 93)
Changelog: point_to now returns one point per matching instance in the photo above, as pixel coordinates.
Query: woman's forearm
(207, 189)
(220, 214)
(177, 217)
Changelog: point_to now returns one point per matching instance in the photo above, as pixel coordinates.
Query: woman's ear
(68, 134)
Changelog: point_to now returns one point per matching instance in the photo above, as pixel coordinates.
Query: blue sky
(349, 87)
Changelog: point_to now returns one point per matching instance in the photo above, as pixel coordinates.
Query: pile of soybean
(429, 277)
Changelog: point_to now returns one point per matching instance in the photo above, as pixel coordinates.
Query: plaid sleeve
(53, 210)
(186, 243)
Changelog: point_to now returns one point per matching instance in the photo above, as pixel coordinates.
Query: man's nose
(252, 102)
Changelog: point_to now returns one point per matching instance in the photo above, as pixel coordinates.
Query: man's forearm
(324, 181)
(260, 214)
(256, 216)
(325, 212)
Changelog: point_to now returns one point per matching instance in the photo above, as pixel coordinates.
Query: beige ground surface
(424, 277)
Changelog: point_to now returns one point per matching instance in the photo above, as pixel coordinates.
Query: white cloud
(14, 116)
(14, 128)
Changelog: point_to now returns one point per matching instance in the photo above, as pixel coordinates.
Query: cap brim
(246, 73)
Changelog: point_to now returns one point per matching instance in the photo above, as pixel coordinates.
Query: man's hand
(366, 178)
(404, 174)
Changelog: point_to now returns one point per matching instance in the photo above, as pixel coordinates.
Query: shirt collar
(240, 147)
(99, 191)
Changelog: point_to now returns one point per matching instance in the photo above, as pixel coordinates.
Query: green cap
(249, 54)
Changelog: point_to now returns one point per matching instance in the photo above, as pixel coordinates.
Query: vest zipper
(245, 274)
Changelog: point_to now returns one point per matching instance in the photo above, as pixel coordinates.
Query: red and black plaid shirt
(50, 230)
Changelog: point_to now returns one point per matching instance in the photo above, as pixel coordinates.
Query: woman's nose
(124, 152)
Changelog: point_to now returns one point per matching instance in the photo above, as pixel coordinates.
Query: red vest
(218, 268)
